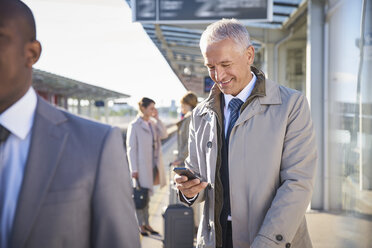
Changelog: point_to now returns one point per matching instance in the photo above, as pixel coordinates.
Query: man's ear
(249, 52)
(32, 53)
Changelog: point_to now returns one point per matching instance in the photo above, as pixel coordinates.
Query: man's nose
(220, 73)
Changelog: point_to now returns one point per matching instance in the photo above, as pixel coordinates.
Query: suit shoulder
(60, 116)
(86, 123)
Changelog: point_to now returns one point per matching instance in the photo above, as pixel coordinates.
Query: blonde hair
(190, 99)
(225, 29)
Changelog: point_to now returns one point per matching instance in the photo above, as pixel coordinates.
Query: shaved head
(17, 10)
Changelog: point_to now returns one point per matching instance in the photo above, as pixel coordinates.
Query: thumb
(204, 184)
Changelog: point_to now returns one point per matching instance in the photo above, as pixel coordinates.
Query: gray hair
(225, 29)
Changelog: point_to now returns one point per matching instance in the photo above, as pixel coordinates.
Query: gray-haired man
(253, 143)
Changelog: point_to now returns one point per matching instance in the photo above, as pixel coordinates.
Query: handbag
(140, 196)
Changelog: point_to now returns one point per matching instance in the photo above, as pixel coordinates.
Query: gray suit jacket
(76, 189)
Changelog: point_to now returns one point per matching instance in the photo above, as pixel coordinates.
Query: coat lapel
(47, 145)
(252, 109)
(143, 124)
(265, 93)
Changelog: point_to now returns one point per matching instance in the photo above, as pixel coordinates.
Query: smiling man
(252, 141)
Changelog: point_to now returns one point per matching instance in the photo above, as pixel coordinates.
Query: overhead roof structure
(179, 43)
(66, 87)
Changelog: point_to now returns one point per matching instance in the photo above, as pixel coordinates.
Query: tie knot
(235, 104)
(4, 133)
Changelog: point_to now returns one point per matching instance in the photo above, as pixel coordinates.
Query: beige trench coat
(139, 150)
(272, 160)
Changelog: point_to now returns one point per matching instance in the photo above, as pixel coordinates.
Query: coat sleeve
(132, 148)
(161, 129)
(191, 162)
(297, 172)
(113, 214)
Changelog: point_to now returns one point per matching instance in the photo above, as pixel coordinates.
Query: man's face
(229, 65)
(12, 60)
(17, 55)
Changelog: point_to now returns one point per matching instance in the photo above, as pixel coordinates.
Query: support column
(65, 102)
(365, 74)
(269, 63)
(90, 108)
(79, 106)
(315, 92)
(106, 111)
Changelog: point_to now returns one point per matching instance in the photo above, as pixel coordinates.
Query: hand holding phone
(189, 187)
(183, 171)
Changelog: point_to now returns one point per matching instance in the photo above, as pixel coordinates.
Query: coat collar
(267, 92)
(187, 115)
(47, 145)
(139, 121)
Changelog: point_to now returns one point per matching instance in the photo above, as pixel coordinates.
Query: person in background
(144, 137)
(188, 103)
(64, 180)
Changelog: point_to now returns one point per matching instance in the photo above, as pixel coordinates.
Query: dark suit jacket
(76, 190)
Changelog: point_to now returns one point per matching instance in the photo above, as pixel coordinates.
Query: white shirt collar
(244, 94)
(19, 117)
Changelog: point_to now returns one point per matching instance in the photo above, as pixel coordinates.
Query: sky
(96, 42)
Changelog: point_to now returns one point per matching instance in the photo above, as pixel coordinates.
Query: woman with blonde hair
(188, 103)
(144, 137)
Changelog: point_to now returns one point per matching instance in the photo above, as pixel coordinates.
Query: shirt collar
(244, 94)
(19, 117)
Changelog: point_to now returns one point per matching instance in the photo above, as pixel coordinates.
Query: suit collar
(46, 149)
(20, 125)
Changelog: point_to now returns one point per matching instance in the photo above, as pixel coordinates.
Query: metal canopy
(58, 85)
(179, 43)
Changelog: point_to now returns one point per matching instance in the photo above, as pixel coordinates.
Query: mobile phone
(183, 171)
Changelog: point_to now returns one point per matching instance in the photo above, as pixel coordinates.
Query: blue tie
(234, 107)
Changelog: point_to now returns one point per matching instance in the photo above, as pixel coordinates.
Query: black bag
(140, 196)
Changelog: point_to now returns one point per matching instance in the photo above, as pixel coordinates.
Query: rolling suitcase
(178, 226)
(173, 196)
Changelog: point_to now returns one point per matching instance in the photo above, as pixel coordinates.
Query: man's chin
(225, 91)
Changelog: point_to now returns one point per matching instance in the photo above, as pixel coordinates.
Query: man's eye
(226, 65)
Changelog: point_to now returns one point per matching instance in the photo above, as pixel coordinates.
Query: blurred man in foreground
(64, 180)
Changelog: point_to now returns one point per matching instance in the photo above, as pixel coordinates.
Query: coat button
(288, 245)
(211, 186)
(279, 237)
(209, 144)
(209, 227)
